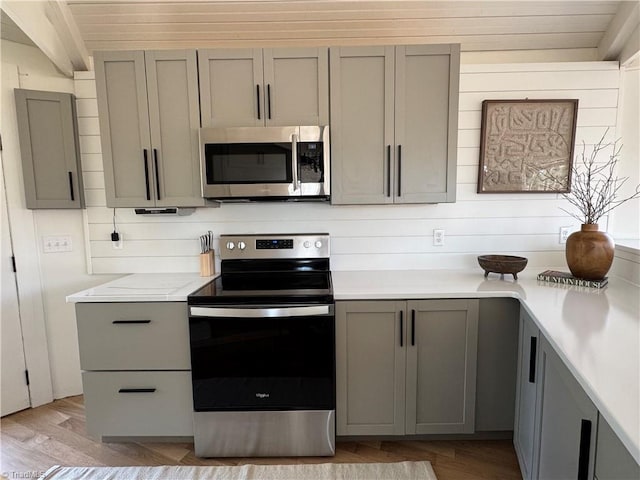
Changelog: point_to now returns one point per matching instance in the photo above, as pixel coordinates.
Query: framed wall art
(527, 146)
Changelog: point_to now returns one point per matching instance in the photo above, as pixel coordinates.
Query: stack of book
(565, 278)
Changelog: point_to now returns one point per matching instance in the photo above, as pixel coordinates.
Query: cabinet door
(566, 423)
(426, 122)
(124, 128)
(49, 149)
(296, 83)
(613, 460)
(442, 339)
(524, 424)
(174, 118)
(362, 143)
(370, 367)
(497, 370)
(231, 91)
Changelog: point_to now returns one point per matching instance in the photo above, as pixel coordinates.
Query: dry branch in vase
(594, 186)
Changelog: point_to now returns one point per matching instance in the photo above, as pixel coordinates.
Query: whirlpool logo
(262, 395)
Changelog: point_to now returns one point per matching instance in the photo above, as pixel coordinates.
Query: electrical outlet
(564, 233)
(438, 238)
(55, 243)
(118, 244)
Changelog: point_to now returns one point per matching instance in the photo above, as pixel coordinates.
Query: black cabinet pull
(129, 322)
(388, 170)
(73, 198)
(399, 170)
(585, 447)
(269, 101)
(136, 390)
(532, 359)
(146, 173)
(401, 328)
(258, 97)
(413, 327)
(155, 162)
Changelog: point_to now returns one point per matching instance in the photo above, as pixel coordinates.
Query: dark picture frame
(527, 146)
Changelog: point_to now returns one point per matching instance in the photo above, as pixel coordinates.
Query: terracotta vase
(589, 252)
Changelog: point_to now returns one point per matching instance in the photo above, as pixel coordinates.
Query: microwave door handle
(294, 161)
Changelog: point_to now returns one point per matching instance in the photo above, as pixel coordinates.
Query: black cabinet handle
(585, 447)
(155, 163)
(399, 170)
(258, 97)
(146, 173)
(269, 101)
(401, 328)
(129, 322)
(532, 359)
(136, 390)
(388, 170)
(413, 327)
(73, 198)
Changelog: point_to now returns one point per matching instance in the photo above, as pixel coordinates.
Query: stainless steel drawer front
(264, 434)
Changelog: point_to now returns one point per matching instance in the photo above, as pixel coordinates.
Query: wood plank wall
(374, 237)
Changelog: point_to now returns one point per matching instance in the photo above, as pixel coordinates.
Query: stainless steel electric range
(263, 349)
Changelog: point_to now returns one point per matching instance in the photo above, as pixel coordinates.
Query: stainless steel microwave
(260, 163)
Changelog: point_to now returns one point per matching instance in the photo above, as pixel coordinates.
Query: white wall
(44, 278)
(383, 237)
(626, 218)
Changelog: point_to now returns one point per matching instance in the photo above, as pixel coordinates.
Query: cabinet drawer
(138, 403)
(133, 336)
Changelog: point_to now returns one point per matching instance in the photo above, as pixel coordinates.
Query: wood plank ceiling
(477, 26)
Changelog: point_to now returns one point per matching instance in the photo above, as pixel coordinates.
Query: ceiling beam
(620, 31)
(53, 31)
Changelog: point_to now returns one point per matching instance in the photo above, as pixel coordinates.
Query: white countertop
(596, 333)
(144, 287)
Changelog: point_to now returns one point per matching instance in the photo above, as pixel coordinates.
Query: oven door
(263, 358)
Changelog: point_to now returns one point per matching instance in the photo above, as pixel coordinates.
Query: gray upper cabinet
(256, 87)
(405, 367)
(394, 120)
(49, 149)
(149, 120)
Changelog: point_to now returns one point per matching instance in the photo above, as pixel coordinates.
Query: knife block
(207, 264)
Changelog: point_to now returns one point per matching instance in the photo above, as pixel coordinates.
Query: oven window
(266, 363)
(237, 163)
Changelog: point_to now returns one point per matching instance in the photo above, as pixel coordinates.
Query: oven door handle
(214, 312)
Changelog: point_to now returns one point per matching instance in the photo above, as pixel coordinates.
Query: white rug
(323, 471)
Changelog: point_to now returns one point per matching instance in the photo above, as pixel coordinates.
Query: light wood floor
(35, 439)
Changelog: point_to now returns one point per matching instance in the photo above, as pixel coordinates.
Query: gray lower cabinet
(136, 369)
(526, 388)
(49, 149)
(406, 367)
(394, 123)
(148, 107)
(496, 372)
(613, 460)
(566, 422)
(264, 87)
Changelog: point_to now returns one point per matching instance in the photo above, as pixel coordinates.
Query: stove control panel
(275, 246)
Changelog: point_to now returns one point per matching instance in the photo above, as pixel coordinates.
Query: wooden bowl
(502, 264)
